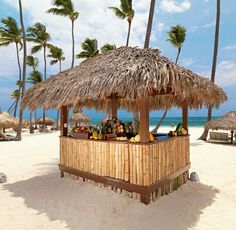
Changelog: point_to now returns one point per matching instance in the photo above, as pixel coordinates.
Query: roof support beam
(144, 119)
(114, 106)
(64, 120)
(185, 115)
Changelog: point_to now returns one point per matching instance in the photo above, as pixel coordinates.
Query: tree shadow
(83, 205)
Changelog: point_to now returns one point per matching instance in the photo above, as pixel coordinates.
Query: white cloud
(160, 26)
(94, 22)
(187, 62)
(172, 6)
(225, 73)
(230, 47)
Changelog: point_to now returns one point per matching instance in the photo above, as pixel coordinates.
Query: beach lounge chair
(219, 137)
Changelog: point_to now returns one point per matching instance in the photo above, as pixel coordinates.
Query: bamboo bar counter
(139, 81)
(140, 168)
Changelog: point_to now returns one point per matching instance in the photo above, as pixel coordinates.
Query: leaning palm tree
(214, 62)
(126, 11)
(57, 57)
(11, 33)
(18, 135)
(35, 76)
(177, 36)
(107, 47)
(90, 49)
(32, 62)
(38, 34)
(15, 96)
(65, 8)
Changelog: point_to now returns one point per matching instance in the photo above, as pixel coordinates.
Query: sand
(35, 196)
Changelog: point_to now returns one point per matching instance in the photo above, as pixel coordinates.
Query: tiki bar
(120, 155)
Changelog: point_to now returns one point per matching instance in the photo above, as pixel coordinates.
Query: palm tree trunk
(149, 26)
(129, 29)
(177, 58)
(18, 136)
(58, 111)
(45, 77)
(35, 117)
(214, 62)
(73, 43)
(11, 107)
(19, 67)
(31, 126)
(15, 107)
(160, 122)
(215, 54)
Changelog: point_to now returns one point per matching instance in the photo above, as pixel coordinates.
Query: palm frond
(59, 12)
(118, 12)
(107, 47)
(35, 49)
(54, 61)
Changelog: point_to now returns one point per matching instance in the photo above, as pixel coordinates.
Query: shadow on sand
(83, 205)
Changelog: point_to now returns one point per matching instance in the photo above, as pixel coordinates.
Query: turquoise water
(193, 121)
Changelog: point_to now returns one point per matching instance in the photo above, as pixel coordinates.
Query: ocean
(193, 121)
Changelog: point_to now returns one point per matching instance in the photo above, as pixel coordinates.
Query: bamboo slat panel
(139, 164)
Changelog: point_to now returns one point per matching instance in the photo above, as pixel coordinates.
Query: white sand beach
(35, 197)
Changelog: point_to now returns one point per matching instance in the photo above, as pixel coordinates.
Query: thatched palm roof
(227, 122)
(48, 121)
(128, 73)
(80, 117)
(7, 121)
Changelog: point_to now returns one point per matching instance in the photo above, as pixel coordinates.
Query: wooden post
(185, 115)
(232, 136)
(144, 120)
(114, 106)
(63, 121)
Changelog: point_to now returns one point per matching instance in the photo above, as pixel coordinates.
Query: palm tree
(32, 62)
(90, 49)
(39, 35)
(15, 96)
(18, 135)
(57, 57)
(107, 47)
(214, 62)
(11, 33)
(34, 78)
(65, 8)
(125, 12)
(177, 36)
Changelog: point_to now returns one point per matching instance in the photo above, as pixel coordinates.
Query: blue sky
(198, 16)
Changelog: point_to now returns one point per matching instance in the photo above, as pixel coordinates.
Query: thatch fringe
(227, 122)
(128, 73)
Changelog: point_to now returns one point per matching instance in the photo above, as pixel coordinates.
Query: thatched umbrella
(128, 73)
(80, 117)
(226, 122)
(7, 121)
(48, 121)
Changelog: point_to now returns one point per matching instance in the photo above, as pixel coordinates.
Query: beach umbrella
(7, 121)
(226, 122)
(48, 121)
(80, 117)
